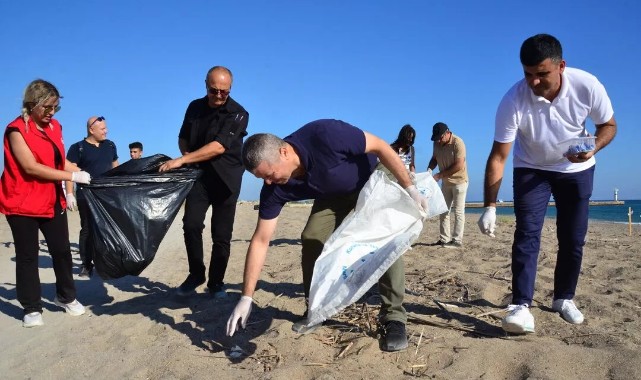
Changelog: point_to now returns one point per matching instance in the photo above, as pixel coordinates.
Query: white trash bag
(384, 224)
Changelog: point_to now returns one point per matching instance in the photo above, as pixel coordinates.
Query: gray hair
(261, 147)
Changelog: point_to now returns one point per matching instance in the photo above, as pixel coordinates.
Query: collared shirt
(541, 129)
(333, 155)
(227, 125)
(447, 154)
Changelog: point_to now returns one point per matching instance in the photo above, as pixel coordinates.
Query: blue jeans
(532, 190)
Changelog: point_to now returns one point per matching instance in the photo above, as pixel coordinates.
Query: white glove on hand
(487, 221)
(80, 177)
(420, 200)
(241, 311)
(429, 171)
(72, 205)
(412, 177)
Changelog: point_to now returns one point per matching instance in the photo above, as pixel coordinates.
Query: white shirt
(539, 127)
(406, 157)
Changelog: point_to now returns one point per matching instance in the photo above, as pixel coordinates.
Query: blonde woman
(32, 199)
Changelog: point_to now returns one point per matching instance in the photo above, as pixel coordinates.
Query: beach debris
(236, 352)
(345, 349)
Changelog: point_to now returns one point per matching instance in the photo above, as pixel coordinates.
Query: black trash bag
(132, 206)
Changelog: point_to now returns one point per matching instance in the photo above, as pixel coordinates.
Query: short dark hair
(537, 49)
(135, 145)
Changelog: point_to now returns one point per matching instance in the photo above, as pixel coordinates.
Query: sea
(607, 213)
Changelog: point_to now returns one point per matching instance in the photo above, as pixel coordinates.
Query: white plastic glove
(412, 177)
(241, 311)
(429, 171)
(420, 200)
(81, 177)
(72, 205)
(487, 221)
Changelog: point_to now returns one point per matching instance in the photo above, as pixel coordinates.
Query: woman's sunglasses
(48, 109)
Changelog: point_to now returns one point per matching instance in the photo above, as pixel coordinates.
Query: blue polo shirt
(333, 154)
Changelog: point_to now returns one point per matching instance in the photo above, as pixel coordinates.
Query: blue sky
(375, 64)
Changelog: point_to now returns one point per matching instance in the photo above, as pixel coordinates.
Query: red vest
(20, 193)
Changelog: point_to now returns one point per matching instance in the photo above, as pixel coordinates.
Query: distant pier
(511, 204)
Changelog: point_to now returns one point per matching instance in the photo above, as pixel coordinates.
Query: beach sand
(137, 328)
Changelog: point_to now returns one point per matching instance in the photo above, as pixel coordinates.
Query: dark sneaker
(394, 336)
(453, 244)
(439, 243)
(302, 328)
(188, 287)
(85, 272)
(218, 292)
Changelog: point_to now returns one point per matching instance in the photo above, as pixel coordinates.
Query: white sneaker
(519, 320)
(32, 319)
(74, 308)
(568, 311)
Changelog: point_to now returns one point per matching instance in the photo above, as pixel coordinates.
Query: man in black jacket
(211, 136)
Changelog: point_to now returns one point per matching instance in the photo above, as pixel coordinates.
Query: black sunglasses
(101, 118)
(215, 91)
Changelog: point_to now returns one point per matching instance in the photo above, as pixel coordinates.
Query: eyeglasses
(101, 118)
(48, 109)
(215, 91)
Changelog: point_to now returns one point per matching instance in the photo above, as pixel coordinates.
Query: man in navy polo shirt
(328, 161)
(95, 155)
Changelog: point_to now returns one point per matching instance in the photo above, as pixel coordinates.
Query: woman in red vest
(31, 197)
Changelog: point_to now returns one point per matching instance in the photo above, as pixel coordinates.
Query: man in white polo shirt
(539, 114)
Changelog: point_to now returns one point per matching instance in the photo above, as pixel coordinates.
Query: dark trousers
(209, 190)
(85, 240)
(25, 236)
(325, 217)
(532, 190)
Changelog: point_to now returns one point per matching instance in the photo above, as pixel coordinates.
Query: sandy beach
(137, 328)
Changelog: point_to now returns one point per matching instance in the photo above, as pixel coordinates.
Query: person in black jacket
(211, 137)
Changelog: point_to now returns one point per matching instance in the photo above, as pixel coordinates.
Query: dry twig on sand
(422, 319)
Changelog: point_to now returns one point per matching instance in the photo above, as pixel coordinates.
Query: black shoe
(439, 243)
(85, 271)
(188, 287)
(217, 291)
(394, 336)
